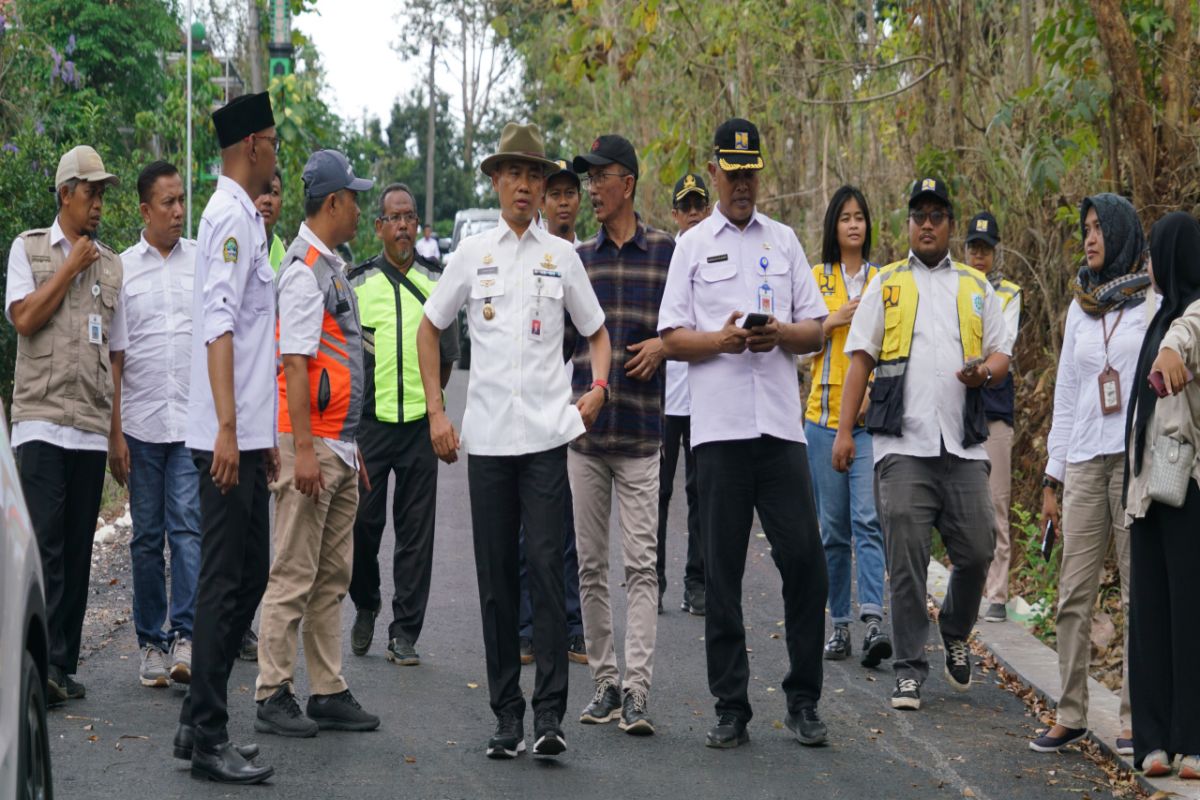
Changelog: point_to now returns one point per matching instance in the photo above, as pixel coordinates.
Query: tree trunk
(1027, 40)
(1177, 88)
(1133, 110)
(254, 46)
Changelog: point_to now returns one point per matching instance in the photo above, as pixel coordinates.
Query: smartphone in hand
(1160, 386)
(1049, 537)
(972, 365)
(755, 320)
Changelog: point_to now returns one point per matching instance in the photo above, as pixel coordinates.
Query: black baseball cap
(563, 169)
(608, 149)
(929, 187)
(983, 228)
(736, 145)
(691, 183)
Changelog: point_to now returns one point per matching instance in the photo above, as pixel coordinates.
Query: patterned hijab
(1122, 280)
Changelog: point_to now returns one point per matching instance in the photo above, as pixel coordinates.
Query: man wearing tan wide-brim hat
(63, 288)
(517, 281)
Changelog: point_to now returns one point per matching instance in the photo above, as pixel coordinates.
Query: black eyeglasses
(405, 219)
(600, 176)
(936, 217)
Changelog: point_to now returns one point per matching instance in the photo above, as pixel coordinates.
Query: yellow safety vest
(829, 368)
(885, 414)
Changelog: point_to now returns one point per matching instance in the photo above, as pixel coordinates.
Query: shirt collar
(142, 247)
(914, 261)
(235, 189)
(307, 235)
(503, 230)
(720, 222)
(56, 234)
(639, 235)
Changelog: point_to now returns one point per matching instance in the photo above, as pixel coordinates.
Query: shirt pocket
(486, 293)
(260, 289)
(718, 292)
(140, 306)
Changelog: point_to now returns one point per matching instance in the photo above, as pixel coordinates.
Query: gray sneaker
(401, 651)
(181, 661)
(996, 612)
(153, 668)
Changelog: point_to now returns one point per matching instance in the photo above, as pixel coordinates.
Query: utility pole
(256, 78)
(429, 137)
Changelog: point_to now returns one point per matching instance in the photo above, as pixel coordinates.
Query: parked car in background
(24, 737)
(469, 222)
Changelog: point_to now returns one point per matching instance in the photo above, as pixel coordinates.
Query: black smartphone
(754, 321)
(1049, 537)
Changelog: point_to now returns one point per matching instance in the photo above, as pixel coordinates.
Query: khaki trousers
(1092, 517)
(593, 479)
(310, 575)
(999, 450)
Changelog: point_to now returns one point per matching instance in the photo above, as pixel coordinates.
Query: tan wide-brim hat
(82, 163)
(519, 143)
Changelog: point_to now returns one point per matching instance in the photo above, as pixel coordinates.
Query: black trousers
(1164, 693)
(62, 491)
(403, 449)
(235, 561)
(770, 476)
(506, 493)
(677, 432)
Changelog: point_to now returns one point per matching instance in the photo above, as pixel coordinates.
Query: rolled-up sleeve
(806, 297)
(448, 295)
(228, 263)
(866, 329)
(579, 298)
(995, 327)
(677, 309)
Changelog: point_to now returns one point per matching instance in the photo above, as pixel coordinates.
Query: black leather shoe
(56, 686)
(728, 732)
(807, 727)
(249, 648)
(876, 645)
(363, 631)
(75, 689)
(185, 738)
(340, 712)
(224, 764)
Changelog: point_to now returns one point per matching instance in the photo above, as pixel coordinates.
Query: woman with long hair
(845, 501)
(1105, 326)
(1163, 541)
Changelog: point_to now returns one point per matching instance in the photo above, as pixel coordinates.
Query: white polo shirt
(153, 326)
(718, 269)
(518, 398)
(933, 396)
(234, 293)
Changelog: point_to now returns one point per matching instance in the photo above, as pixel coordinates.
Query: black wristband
(1050, 483)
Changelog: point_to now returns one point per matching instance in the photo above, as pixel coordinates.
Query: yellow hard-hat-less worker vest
(829, 368)
(885, 415)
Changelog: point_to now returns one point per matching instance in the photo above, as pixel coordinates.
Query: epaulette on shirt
(362, 268)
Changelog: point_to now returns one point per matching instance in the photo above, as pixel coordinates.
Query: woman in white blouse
(1105, 326)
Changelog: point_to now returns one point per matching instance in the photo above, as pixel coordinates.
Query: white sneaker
(153, 670)
(181, 661)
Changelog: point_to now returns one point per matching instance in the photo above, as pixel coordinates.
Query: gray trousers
(914, 496)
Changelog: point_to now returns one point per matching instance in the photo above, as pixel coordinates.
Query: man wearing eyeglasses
(933, 331)
(394, 432)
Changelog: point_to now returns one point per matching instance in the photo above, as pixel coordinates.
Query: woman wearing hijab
(1164, 542)
(1105, 327)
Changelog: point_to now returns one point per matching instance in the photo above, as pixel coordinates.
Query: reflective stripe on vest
(885, 415)
(829, 368)
(391, 315)
(335, 372)
(1007, 291)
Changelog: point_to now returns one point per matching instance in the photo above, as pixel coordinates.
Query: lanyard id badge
(766, 299)
(1109, 380)
(95, 329)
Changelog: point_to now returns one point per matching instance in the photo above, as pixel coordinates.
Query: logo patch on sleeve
(229, 251)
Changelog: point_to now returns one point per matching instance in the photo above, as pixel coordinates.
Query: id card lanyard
(1109, 379)
(766, 295)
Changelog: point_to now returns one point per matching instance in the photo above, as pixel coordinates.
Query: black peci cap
(983, 228)
(736, 145)
(691, 183)
(563, 169)
(929, 187)
(608, 149)
(242, 116)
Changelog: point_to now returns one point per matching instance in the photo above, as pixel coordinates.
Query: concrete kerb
(1036, 664)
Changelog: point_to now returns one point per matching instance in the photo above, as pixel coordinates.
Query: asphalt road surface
(436, 720)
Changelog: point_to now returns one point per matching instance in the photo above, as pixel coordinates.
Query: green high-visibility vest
(391, 313)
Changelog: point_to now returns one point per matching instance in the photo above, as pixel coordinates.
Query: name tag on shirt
(715, 259)
(488, 271)
(535, 325)
(95, 329)
(549, 273)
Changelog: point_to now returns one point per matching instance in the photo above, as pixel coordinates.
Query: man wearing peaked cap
(928, 424)
(689, 201)
(316, 496)
(63, 288)
(231, 430)
(746, 428)
(517, 281)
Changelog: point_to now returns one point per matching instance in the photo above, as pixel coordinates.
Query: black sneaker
(877, 645)
(693, 602)
(401, 651)
(56, 686)
(807, 726)
(363, 631)
(526, 650)
(547, 734)
(907, 694)
(728, 732)
(634, 719)
(509, 739)
(75, 689)
(958, 663)
(280, 714)
(605, 705)
(340, 712)
(576, 649)
(249, 651)
(838, 647)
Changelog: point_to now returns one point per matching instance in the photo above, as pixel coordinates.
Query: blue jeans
(164, 501)
(846, 508)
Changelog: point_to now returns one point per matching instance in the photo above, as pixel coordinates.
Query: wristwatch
(988, 380)
(603, 385)
(1050, 483)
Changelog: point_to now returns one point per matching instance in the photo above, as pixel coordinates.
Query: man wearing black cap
(316, 497)
(983, 239)
(627, 264)
(689, 206)
(933, 332)
(746, 428)
(231, 430)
